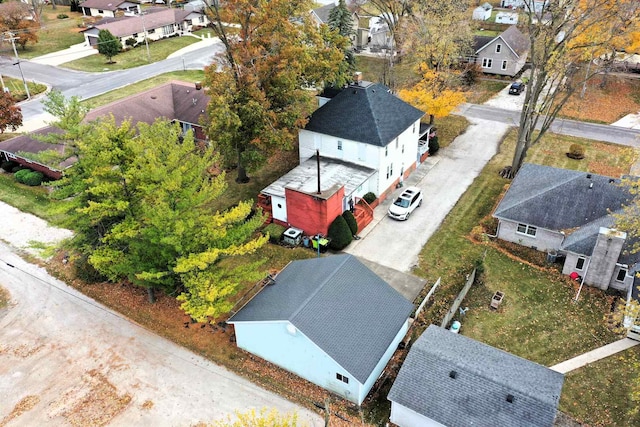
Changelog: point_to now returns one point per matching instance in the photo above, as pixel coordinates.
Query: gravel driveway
(65, 359)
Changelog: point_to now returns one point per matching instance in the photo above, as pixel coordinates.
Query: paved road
(598, 132)
(443, 179)
(78, 358)
(87, 85)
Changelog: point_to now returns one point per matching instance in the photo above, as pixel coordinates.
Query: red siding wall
(312, 215)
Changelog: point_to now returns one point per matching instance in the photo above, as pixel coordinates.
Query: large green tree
(260, 94)
(568, 40)
(142, 215)
(108, 45)
(341, 21)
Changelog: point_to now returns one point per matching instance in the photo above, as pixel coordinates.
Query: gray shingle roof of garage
(323, 12)
(485, 376)
(339, 304)
(560, 199)
(366, 113)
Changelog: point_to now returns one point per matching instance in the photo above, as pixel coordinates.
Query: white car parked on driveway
(406, 203)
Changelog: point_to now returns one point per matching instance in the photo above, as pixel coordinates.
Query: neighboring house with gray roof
(450, 380)
(569, 213)
(330, 320)
(321, 14)
(108, 8)
(504, 55)
(373, 134)
(177, 101)
(156, 24)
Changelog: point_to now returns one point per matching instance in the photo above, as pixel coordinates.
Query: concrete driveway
(443, 178)
(67, 360)
(76, 51)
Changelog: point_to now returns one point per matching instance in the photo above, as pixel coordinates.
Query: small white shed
(507, 18)
(482, 13)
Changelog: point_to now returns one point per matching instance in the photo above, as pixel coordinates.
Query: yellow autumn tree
(263, 418)
(433, 94)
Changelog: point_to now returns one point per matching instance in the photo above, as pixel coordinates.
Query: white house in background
(379, 34)
(329, 320)
(510, 18)
(450, 380)
(536, 5)
(108, 8)
(482, 12)
(156, 24)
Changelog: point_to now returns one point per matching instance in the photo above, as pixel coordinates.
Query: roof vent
(510, 398)
(453, 374)
(188, 91)
(195, 101)
(611, 180)
(590, 186)
(588, 176)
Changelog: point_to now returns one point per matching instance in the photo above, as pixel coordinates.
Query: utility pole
(4, 88)
(13, 39)
(145, 37)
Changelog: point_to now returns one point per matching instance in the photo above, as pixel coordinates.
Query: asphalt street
(88, 85)
(598, 132)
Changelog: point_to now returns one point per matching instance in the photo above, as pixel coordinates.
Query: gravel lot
(22, 231)
(67, 360)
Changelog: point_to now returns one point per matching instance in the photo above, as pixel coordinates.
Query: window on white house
(151, 31)
(414, 128)
(580, 263)
(622, 273)
(498, 48)
(339, 145)
(487, 62)
(342, 378)
(100, 11)
(397, 143)
(391, 169)
(386, 151)
(403, 148)
(529, 230)
(504, 64)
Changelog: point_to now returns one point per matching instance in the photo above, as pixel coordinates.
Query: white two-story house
(364, 139)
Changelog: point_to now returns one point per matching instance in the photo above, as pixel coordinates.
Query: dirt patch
(26, 404)
(94, 402)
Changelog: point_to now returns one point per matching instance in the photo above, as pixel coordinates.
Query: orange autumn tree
(433, 94)
(259, 88)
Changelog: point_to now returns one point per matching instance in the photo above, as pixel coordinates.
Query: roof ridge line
(315, 292)
(369, 105)
(547, 189)
(469, 368)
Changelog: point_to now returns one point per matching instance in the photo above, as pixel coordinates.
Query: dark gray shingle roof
(485, 376)
(560, 199)
(481, 41)
(323, 12)
(365, 113)
(339, 304)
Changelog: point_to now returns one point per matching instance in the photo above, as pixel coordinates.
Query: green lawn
(16, 87)
(135, 57)
(34, 200)
(55, 34)
(132, 89)
(537, 319)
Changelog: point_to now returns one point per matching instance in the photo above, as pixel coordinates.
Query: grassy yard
(55, 34)
(483, 90)
(135, 57)
(132, 89)
(16, 87)
(537, 319)
(34, 200)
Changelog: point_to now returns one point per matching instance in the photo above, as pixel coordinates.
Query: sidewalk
(594, 355)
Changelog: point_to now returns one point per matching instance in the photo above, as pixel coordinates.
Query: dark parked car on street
(516, 88)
